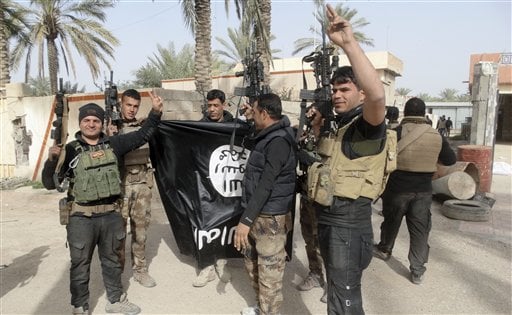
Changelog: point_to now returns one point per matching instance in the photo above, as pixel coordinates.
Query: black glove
(306, 158)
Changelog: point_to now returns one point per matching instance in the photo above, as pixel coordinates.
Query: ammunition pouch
(96, 174)
(64, 210)
(326, 146)
(138, 174)
(320, 186)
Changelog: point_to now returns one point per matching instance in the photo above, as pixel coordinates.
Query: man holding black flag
(267, 200)
(137, 185)
(216, 101)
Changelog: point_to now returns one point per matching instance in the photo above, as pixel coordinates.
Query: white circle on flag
(227, 169)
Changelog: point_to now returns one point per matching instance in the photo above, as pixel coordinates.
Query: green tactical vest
(96, 175)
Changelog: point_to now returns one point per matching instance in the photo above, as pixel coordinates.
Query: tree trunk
(203, 48)
(5, 78)
(53, 65)
(263, 40)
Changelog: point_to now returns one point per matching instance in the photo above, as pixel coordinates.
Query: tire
(467, 210)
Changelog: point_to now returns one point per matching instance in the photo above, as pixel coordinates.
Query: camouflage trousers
(309, 229)
(137, 207)
(265, 260)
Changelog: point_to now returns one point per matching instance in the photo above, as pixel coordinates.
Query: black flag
(199, 176)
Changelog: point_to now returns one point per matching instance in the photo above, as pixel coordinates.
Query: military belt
(90, 210)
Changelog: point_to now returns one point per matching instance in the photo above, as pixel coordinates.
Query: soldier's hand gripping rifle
(112, 106)
(253, 75)
(59, 133)
(323, 68)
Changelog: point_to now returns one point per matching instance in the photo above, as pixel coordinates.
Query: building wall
(504, 124)
(458, 111)
(504, 61)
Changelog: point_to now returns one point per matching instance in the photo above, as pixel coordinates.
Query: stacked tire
(467, 210)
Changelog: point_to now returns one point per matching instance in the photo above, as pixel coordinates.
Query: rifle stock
(60, 133)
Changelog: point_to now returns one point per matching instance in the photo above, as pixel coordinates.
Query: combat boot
(416, 278)
(377, 253)
(323, 299)
(313, 280)
(80, 311)
(144, 279)
(123, 307)
(222, 270)
(206, 275)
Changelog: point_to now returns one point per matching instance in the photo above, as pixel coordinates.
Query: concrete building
(459, 112)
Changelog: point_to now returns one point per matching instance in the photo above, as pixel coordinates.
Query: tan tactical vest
(137, 165)
(419, 148)
(139, 156)
(339, 176)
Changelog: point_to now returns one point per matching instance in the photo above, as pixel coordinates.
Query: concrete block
(17, 90)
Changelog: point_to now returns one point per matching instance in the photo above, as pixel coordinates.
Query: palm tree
(72, 88)
(40, 86)
(13, 25)
(166, 63)
(448, 95)
(256, 17)
(197, 16)
(425, 97)
(403, 91)
(62, 25)
(203, 58)
(314, 43)
(241, 40)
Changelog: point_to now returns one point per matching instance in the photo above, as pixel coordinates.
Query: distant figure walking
(441, 126)
(449, 125)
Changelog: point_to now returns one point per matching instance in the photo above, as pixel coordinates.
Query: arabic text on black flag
(199, 177)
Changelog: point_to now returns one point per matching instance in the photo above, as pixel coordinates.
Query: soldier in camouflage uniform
(267, 199)
(137, 183)
(308, 220)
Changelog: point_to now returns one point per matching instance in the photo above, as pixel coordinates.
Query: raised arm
(340, 33)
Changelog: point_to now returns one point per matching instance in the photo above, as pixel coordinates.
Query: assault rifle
(59, 132)
(253, 74)
(321, 96)
(112, 106)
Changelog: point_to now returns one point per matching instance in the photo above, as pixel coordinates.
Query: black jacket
(269, 181)
(121, 144)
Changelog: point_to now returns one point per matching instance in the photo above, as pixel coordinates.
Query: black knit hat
(91, 109)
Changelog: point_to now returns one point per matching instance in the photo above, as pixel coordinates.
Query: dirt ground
(468, 272)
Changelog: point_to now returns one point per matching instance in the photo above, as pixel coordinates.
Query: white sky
(434, 39)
